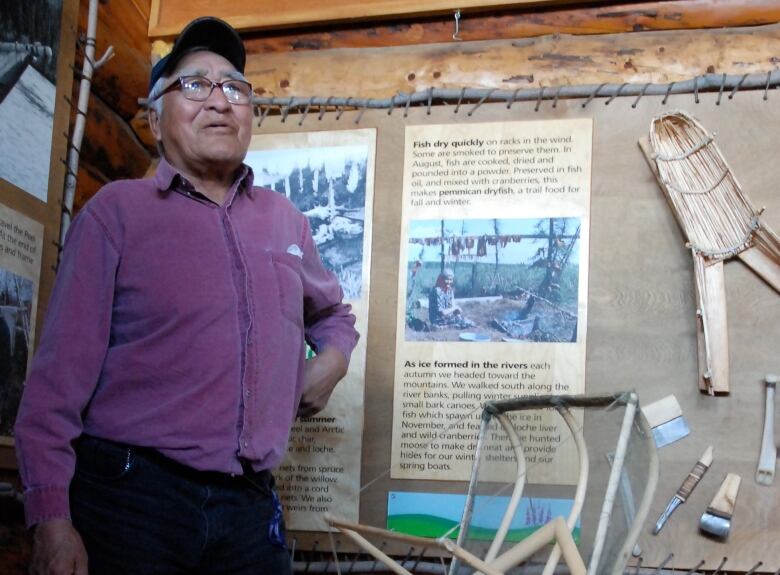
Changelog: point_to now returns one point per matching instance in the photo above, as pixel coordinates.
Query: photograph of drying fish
(488, 280)
(29, 37)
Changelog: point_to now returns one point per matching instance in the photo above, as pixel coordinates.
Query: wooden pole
(89, 66)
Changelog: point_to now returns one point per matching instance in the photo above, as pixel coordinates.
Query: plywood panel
(641, 318)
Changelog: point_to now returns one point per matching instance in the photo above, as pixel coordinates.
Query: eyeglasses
(199, 89)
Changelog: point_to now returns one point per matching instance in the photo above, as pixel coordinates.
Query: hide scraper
(716, 521)
(666, 420)
(686, 488)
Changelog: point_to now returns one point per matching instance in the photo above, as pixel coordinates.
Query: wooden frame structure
(559, 530)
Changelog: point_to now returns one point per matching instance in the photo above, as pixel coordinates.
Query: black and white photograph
(493, 280)
(328, 184)
(29, 37)
(16, 295)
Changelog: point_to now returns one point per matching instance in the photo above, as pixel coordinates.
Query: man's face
(203, 138)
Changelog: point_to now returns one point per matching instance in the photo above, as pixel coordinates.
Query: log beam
(168, 17)
(110, 150)
(549, 61)
(613, 19)
(125, 77)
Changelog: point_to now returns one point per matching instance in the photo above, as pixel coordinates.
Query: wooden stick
(715, 328)
(555, 529)
(582, 486)
(612, 484)
(647, 497)
(763, 264)
(89, 66)
(517, 492)
(374, 552)
(470, 558)
(370, 530)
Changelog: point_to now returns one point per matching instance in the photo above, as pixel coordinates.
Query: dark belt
(261, 479)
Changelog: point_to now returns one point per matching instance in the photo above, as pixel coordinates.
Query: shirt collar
(167, 176)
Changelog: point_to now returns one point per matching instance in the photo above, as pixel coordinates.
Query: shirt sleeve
(328, 321)
(66, 368)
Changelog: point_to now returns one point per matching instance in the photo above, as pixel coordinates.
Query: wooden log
(140, 126)
(168, 17)
(124, 78)
(524, 23)
(88, 182)
(548, 61)
(111, 149)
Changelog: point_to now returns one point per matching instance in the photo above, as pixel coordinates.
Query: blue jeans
(140, 513)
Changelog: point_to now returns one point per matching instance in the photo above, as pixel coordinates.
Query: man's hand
(323, 372)
(58, 549)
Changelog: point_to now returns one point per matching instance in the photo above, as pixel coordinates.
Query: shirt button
(246, 444)
(248, 392)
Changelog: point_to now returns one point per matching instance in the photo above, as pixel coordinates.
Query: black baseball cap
(207, 33)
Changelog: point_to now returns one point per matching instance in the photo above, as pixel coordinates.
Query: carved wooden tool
(765, 474)
(716, 521)
(686, 488)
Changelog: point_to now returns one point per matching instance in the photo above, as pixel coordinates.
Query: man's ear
(154, 124)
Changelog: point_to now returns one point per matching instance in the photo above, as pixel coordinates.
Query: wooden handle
(695, 475)
(762, 264)
(765, 473)
(726, 498)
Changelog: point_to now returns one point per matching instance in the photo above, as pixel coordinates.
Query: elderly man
(171, 365)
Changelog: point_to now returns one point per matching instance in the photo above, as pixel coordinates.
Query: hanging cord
(738, 86)
(641, 94)
(557, 94)
(324, 108)
(478, 104)
(406, 107)
(720, 91)
(616, 94)
(668, 91)
(539, 100)
(593, 95)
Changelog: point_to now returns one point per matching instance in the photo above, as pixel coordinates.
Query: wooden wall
(525, 46)
(521, 46)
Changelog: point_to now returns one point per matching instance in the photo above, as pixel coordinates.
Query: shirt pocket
(287, 271)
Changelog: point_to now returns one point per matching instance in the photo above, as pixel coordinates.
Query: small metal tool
(686, 488)
(716, 521)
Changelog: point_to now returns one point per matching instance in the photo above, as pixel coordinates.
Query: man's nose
(217, 99)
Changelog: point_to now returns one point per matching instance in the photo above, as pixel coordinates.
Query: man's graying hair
(157, 104)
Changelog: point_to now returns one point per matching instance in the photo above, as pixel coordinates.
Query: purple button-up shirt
(177, 324)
